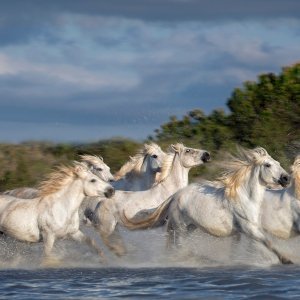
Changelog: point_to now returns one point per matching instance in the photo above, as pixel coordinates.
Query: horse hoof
(286, 261)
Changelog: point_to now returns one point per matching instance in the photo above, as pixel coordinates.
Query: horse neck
(70, 196)
(179, 175)
(147, 176)
(143, 180)
(250, 196)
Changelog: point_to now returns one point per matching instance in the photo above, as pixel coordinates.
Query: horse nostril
(205, 156)
(111, 180)
(284, 180)
(109, 192)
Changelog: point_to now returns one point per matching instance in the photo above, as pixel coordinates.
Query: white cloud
(108, 65)
(70, 74)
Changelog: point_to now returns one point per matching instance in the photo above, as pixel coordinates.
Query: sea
(202, 267)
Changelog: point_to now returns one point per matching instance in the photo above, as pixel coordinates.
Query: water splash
(147, 249)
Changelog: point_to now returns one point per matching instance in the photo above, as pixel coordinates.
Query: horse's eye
(267, 165)
(187, 150)
(154, 156)
(93, 180)
(99, 169)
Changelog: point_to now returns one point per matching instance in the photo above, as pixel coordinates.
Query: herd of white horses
(254, 196)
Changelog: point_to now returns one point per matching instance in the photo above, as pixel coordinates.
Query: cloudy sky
(83, 70)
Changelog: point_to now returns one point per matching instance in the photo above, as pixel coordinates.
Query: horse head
(190, 157)
(153, 159)
(98, 167)
(92, 185)
(271, 173)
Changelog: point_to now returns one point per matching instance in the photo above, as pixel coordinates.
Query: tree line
(265, 112)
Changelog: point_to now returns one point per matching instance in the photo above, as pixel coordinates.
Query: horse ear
(80, 169)
(101, 158)
(146, 146)
(261, 151)
(173, 147)
(259, 154)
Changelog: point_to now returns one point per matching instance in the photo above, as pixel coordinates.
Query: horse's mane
(56, 180)
(135, 163)
(168, 161)
(93, 160)
(296, 175)
(238, 167)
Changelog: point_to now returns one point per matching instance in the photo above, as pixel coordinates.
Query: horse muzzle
(205, 157)
(284, 180)
(109, 192)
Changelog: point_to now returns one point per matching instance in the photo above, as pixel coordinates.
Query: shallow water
(203, 268)
(151, 283)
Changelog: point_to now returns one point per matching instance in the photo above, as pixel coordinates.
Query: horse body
(174, 176)
(54, 214)
(140, 172)
(221, 208)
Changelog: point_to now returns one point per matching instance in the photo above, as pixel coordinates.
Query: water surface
(152, 283)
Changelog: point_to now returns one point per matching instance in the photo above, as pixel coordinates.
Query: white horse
(140, 172)
(222, 208)
(281, 208)
(54, 214)
(94, 163)
(105, 217)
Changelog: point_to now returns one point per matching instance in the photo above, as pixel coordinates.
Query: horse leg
(48, 259)
(80, 237)
(255, 232)
(49, 240)
(113, 241)
(283, 259)
(172, 237)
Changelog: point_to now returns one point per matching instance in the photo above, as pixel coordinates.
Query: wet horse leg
(49, 260)
(173, 236)
(80, 237)
(255, 232)
(113, 241)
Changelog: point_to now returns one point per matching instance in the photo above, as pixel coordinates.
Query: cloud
(92, 65)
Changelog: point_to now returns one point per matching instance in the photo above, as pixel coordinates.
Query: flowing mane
(56, 180)
(296, 175)
(167, 163)
(237, 169)
(135, 163)
(92, 159)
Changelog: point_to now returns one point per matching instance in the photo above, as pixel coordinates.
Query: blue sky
(86, 70)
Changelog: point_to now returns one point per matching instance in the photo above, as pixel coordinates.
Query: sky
(81, 71)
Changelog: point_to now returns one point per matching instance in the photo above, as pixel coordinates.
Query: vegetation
(265, 113)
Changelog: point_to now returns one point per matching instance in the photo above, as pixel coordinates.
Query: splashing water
(148, 249)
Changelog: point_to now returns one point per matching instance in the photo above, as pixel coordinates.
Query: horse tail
(148, 218)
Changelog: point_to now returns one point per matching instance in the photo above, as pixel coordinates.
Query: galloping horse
(232, 204)
(93, 162)
(54, 213)
(281, 208)
(174, 175)
(140, 172)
